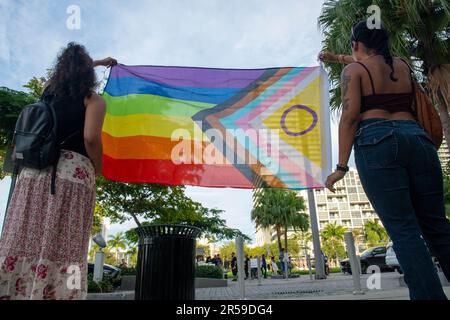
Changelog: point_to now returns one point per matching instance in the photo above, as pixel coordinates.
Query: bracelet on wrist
(342, 168)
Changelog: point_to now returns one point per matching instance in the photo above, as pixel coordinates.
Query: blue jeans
(401, 174)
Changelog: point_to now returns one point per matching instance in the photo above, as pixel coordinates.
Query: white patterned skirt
(44, 246)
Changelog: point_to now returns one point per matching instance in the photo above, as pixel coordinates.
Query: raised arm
(93, 123)
(348, 124)
(335, 58)
(107, 62)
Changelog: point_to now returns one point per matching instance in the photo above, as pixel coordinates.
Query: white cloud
(214, 33)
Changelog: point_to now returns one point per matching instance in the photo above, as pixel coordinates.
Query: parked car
(372, 256)
(391, 258)
(108, 270)
(392, 261)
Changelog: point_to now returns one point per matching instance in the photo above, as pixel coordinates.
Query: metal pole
(98, 266)
(285, 261)
(318, 258)
(308, 262)
(353, 259)
(240, 263)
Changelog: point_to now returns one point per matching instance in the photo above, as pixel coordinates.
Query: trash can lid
(168, 230)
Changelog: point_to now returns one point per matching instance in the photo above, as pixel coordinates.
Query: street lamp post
(318, 257)
(240, 262)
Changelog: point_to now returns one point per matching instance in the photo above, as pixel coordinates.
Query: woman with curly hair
(43, 249)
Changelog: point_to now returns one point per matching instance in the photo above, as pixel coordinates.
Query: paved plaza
(303, 287)
(335, 287)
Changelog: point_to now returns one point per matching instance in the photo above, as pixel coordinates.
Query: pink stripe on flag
(274, 97)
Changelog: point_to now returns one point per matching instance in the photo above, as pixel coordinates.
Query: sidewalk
(397, 294)
(336, 287)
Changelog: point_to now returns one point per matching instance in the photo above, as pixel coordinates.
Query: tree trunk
(285, 240)
(136, 220)
(440, 88)
(278, 237)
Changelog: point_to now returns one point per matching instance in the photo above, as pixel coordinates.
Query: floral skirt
(44, 246)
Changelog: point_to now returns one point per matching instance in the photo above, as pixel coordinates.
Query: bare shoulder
(351, 70)
(400, 63)
(95, 101)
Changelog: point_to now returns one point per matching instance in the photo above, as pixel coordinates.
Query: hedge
(212, 272)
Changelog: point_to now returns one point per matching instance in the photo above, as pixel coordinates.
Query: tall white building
(263, 237)
(348, 206)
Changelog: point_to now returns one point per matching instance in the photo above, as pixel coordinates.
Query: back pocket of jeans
(378, 148)
(428, 149)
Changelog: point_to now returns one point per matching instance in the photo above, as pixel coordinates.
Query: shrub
(212, 272)
(104, 286)
(128, 271)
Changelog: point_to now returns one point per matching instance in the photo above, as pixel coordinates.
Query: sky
(207, 33)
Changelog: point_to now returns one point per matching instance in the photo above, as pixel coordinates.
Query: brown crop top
(391, 102)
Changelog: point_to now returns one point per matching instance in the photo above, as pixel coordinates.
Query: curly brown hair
(73, 76)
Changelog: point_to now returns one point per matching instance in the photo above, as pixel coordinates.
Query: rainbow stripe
(262, 127)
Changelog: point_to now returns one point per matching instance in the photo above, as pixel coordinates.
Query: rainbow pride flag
(241, 128)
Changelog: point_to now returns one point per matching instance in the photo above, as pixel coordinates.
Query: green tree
(131, 252)
(116, 242)
(303, 240)
(419, 32)
(332, 241)
(375, 234)
(36, 86)
(97, 221)
(255, 251)
(11, 104)
(226, 249)
(159, 204)
(280, 209)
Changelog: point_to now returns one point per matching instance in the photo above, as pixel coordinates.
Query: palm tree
(333, 238)
(131, 250)
(419, 32)
(375, 234)
(279, 209)
(117, 241)
(303, 239)
(293, 214)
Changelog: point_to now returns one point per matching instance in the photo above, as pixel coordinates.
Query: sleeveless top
(70, 116)
(391, 102)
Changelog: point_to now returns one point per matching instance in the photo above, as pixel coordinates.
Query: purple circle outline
(298, 106)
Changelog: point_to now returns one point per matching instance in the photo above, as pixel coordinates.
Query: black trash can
(166, 262)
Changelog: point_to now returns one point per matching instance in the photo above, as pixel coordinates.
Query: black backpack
(36, 137)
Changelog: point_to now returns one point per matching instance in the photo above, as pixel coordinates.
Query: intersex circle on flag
(302, 107)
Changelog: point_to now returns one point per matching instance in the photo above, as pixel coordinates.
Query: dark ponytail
(376, 40)
(389, 60)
